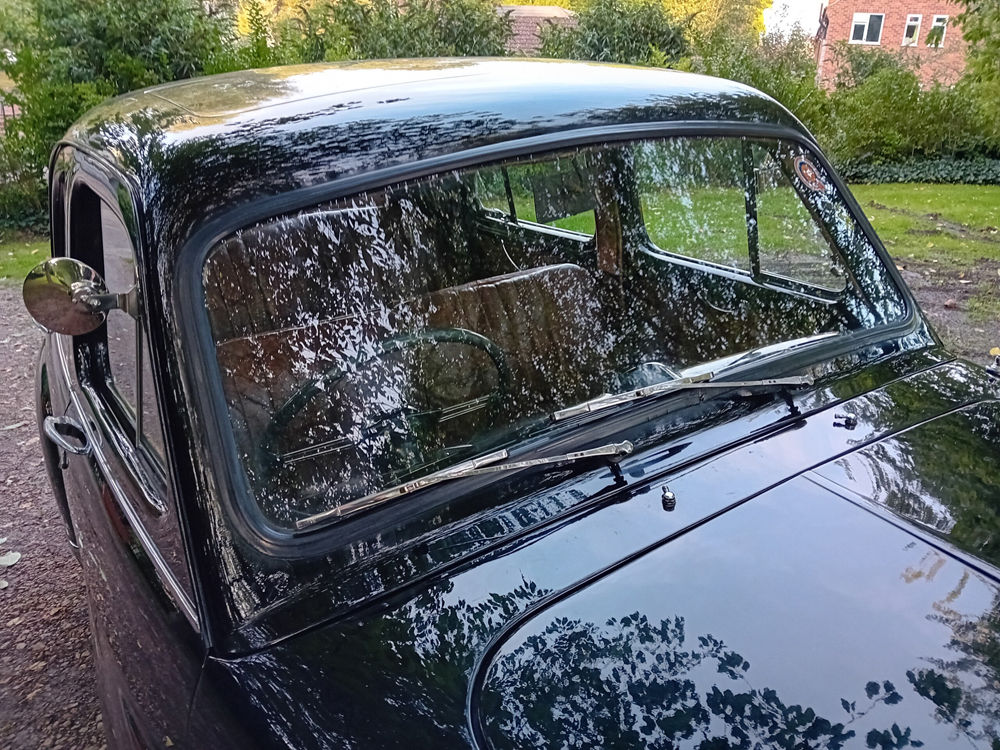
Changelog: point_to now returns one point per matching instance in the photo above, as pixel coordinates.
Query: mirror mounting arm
(86, 292)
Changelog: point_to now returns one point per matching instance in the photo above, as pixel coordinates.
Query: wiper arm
(703, 381)
(483, 465)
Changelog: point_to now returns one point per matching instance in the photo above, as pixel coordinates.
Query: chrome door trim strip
(163, 572)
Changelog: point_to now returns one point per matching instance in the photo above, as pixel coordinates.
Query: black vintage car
(506, 404)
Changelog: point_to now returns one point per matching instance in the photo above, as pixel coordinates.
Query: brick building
(527, 22)
(922, 29)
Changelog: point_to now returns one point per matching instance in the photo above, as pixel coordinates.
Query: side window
(113, 361)
(558, 192)
(120, 276)
(693, 197)
(791, 242)
(125, 346)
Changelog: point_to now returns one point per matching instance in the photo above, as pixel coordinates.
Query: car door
(146, 632)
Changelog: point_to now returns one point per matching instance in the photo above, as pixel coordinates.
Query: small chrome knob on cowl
(669, 499)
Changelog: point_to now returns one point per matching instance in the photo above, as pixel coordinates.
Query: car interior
(400, 331)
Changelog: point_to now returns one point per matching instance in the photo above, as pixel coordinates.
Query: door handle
(68, 434)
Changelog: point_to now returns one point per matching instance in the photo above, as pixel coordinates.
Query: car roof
(194, 149)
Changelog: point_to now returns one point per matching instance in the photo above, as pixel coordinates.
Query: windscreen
(385, 336)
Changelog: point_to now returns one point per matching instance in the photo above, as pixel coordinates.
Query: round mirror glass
(59, 295)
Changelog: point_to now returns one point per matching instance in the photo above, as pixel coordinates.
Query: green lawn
(952, 224)
(19, 254)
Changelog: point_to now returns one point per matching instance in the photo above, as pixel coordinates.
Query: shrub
(933, 122)
(634, 32)
(68, 55)
(370, 29)
(783, 67)
(374, 29)
(969, 170)
(854, 64)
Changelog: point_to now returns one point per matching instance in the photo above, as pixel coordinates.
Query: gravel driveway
(47, 697)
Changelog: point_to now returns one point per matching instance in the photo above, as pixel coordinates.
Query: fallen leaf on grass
(14, 426)
(995, 351)
(9, 559)
(951, 304)
(965, 281)
(3, 585)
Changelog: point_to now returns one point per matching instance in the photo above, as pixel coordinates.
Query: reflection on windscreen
(395, 333)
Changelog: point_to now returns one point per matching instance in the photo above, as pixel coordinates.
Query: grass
(19, 253)
(951, 224)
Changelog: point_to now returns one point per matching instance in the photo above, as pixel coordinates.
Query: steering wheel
(269, 460)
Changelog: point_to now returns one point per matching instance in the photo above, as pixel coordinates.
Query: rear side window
(792, 239)
(693, 196)
(749, 206)
(374, 340)
(556, 192)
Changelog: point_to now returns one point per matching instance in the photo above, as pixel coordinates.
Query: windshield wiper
(703, 381)
(482, 465)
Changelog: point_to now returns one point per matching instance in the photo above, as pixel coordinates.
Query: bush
(376, 29)
(634, 32)
(370, 29)
(783, 67)
(931, 123)
(970, 170)
(69, 55)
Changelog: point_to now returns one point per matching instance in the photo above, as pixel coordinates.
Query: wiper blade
(703, 381)
(775, 349)
(482, 465)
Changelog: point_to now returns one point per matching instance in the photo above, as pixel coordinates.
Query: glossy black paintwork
(809, 588)
(200, 148)
(795, 543)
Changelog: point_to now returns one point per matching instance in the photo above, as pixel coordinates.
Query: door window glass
(693, 198)
(791, 241)
(556, 192)
(120, 277)
(122, 329)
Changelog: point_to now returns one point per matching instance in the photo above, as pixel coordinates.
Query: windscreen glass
(382, 337)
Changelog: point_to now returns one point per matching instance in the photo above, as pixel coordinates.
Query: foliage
(366, 29)
(65, 56)
(980, 23)
(854, 64)
(633, 32)
(968, 170)
(729, 17)
(782, 66)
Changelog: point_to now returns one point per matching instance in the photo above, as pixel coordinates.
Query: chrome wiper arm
(474, 467)
(704, 381)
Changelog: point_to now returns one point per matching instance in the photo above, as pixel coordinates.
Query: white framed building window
(912, 31)
(935, 37)
(867, 28)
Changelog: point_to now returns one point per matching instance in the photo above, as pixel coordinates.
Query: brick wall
(944, 64)
(527, 20)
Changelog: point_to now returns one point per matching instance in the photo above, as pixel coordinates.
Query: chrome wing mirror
(66, 296)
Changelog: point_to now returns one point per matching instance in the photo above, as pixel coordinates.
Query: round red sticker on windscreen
(809, 174)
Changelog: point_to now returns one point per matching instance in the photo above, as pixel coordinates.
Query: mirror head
(66, 296)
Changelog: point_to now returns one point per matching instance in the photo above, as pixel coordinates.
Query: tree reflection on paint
(632, 684)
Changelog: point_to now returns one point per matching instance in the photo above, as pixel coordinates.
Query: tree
(732, 17)
(65, 56)
(980, 24)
